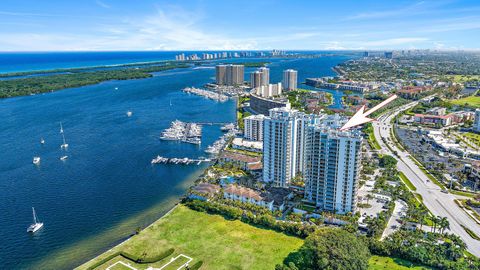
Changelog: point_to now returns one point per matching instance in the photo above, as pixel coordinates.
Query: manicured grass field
(219, 243)
(388, 263)
(120, 267)
(473, 101)
(176, 264)
(464, 78)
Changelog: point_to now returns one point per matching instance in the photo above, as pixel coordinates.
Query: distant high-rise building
(476, 123)
(290, 79)
(265, 75)
(365, 54)
(253, 130)
(389, 55)
(332, 166)
(229, 74)
(221, 74)
(256, 79)
(180, 57)
(235, 74)
(283, 144)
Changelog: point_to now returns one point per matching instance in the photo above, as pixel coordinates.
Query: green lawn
(473, 101)
(407, 182)
(463, 193)
(373, 141)
(388, 263)
(219, 243)
(463, 78)
(120, 267)
(473, 137)
(471, 233)
(176, 263)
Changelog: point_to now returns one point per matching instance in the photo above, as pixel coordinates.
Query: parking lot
(377, 202)
(426, 153)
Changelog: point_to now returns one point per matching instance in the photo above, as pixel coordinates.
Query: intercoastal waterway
(108, 186)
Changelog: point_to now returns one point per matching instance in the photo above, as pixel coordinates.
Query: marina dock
(184, 132)
(183, 161)
(206, 93)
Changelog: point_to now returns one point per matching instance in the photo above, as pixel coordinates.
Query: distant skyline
(108, 25)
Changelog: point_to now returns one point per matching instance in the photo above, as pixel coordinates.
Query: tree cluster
(330, 249)
(298, 229)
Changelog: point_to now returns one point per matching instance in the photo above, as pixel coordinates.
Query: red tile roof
(240, 157)
(244, 192)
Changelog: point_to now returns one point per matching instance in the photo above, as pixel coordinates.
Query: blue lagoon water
(107, 187)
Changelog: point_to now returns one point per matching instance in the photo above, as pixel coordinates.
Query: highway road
(439, 203)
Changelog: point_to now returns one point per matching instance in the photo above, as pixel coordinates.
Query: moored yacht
(36, 160)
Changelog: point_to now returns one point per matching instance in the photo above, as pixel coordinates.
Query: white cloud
(166, 29)
(176, 28)
(102, 4)
(393, 42)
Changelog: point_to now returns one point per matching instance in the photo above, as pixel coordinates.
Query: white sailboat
(63, 157)
(37, 225)
(36, 160)
(65, 144)
(129, 113)
(42, 141)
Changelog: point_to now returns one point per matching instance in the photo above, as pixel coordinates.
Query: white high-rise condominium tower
(270, 90)
(283, 142)
(476, 123)
(253, 130)
(290, 79)
(265, 79)
(256, 79)
(332, 166)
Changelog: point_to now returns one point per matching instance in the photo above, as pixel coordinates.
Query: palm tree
(435, 220)
(423, 212)
(444, 224)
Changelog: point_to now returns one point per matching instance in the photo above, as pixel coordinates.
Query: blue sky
(54, 25)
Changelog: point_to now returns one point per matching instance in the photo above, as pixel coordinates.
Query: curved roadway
(439, 203)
